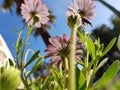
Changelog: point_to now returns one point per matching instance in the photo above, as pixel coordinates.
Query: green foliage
(110, 45)
(91, 48)
(18, 43)
(35, 55)
(36, 66)
(118, 43)
(96, 51)
(80, 80)
(108, 75)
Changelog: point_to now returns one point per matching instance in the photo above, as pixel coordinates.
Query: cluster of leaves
(106, 34)
(96, 51)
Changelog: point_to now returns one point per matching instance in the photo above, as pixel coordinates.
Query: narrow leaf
(59, 80)
(102, 63)
(110, 45)
(36, 54)
(46, 82)
(118, 43)
(18, 42)
(91, 47)
(19, 46)
(11, 62)
(36, 66)
(82, 37)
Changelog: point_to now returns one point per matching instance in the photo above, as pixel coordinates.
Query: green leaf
(108, 75)
(110, 45)
(18, 42)
(19, 46)
(36, 66)
(11, 62)
(82, 37)
(29, 31)
(118, 43)
(36, 54)
(102, 63)
(57, 78)
(91, 48)
(45, 84)
(80, 80)
(101, 47)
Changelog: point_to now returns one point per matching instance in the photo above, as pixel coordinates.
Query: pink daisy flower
(83, 7)
(34, 12)
(60, 47)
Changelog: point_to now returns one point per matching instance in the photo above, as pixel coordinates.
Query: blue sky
(10, 21)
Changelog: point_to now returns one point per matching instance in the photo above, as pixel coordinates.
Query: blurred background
(106, 25)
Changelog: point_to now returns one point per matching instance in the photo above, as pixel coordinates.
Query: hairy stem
(72, 81)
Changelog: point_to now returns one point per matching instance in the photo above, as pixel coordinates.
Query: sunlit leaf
(110, 45)
(118, 43)
(102, 63)
(108, 75)
(80, 80)
(91, 47)
(29, 31)
(59, 80)
(46, 82)
(81, 36)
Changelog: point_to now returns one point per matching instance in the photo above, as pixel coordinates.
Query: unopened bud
(74, 20)
(10, 79)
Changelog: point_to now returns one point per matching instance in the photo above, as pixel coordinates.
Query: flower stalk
(74, 22)
(72, 81)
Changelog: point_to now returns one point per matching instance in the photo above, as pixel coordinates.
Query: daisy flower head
(83, 7)
(35, 12)
(59, 48)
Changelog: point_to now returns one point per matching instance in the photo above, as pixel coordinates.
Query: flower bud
(10, 79)
(74, 20)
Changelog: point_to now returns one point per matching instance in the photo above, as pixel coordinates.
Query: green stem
(25, 43)
(92, 77)
(86, 59)
(27, 23)
(66, 72)
(17, 50)
(72, 79)
(24, 81)
(66, 64)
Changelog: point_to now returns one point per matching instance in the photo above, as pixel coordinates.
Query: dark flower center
(64, 52)
(82, 14)
(84, 19)
(32, 13)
